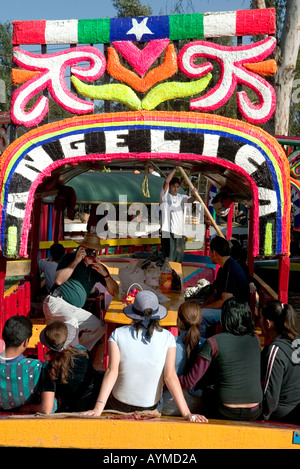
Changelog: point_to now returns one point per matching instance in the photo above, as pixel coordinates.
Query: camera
(91, 252)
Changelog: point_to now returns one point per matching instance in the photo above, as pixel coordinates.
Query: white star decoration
(139, 29)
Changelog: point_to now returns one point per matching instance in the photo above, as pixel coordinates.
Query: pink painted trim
(124, 156)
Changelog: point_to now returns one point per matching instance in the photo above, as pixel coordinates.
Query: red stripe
(250, 22)
(29, 32)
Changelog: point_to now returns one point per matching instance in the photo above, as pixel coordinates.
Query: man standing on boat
(75, 278)
(172, 218)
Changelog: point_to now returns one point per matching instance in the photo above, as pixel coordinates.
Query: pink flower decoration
(141, 59)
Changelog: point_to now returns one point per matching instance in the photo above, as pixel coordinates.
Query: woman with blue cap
(141, 358)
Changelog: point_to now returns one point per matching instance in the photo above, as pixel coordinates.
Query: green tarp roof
(96, 187)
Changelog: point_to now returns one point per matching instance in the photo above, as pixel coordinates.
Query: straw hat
(92, 241)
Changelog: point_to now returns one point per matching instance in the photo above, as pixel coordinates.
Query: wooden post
(250, 261)
(44, 227)
(35, 245)
(57, 226)
(210, 217)
(229, 221)
(45, 91)
(283, 278)
(250, 241)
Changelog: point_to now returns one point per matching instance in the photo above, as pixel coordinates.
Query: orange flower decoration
(266, 68)
(20, 76)
(167, 69)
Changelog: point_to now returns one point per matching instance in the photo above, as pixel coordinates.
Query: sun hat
(145, 300)
(92, 241)
(71, 334)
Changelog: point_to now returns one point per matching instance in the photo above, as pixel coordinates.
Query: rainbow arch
(142, 135)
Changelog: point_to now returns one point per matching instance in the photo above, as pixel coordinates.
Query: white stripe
(219, 24)
(61, 32)
(272, 356)
(211, 145)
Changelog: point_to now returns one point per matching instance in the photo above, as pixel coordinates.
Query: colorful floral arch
(294, 162)
(196, 137)
(295, 194)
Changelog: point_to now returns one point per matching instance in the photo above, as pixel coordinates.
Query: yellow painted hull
(159, 433)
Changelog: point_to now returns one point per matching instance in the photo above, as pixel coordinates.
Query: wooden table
(115, 317)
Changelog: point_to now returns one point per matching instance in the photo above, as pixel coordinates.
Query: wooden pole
(162, 173)
(201, 201)
(34, 248)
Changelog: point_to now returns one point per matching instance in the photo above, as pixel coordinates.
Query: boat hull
(158, 433)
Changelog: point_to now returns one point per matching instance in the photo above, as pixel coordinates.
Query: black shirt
(231, 278)
(81, 391)
(237, 362)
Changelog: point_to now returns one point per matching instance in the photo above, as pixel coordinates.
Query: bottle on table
(166, 277)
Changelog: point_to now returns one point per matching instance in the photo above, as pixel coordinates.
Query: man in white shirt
(152, 171)
(172, 218)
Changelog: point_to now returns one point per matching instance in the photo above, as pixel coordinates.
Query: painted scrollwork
(232, 71)
(52, 69)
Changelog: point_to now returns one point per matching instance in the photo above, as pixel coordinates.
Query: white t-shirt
(173, 212)
(140, 378)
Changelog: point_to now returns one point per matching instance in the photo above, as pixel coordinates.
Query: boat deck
(137, 432)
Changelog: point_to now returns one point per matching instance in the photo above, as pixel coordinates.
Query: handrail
(69, 243)
(11, 290)
(266, 287)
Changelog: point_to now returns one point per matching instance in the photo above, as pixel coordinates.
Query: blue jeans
(210, 317)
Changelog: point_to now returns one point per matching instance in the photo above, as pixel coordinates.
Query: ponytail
(62, 362)
(191, 342)
(147, 324)
(189, 320)
(290, 324)
(283, 317)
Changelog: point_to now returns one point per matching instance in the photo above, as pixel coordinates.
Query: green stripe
(268, 240)
(3, 390)
(186, 26)
(14, 384)
(94, 31)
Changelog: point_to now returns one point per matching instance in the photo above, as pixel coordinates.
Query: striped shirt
(19, 381)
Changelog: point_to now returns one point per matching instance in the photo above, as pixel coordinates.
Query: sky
(72, 9)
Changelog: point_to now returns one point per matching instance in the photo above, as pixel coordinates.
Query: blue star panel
(158, 25)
